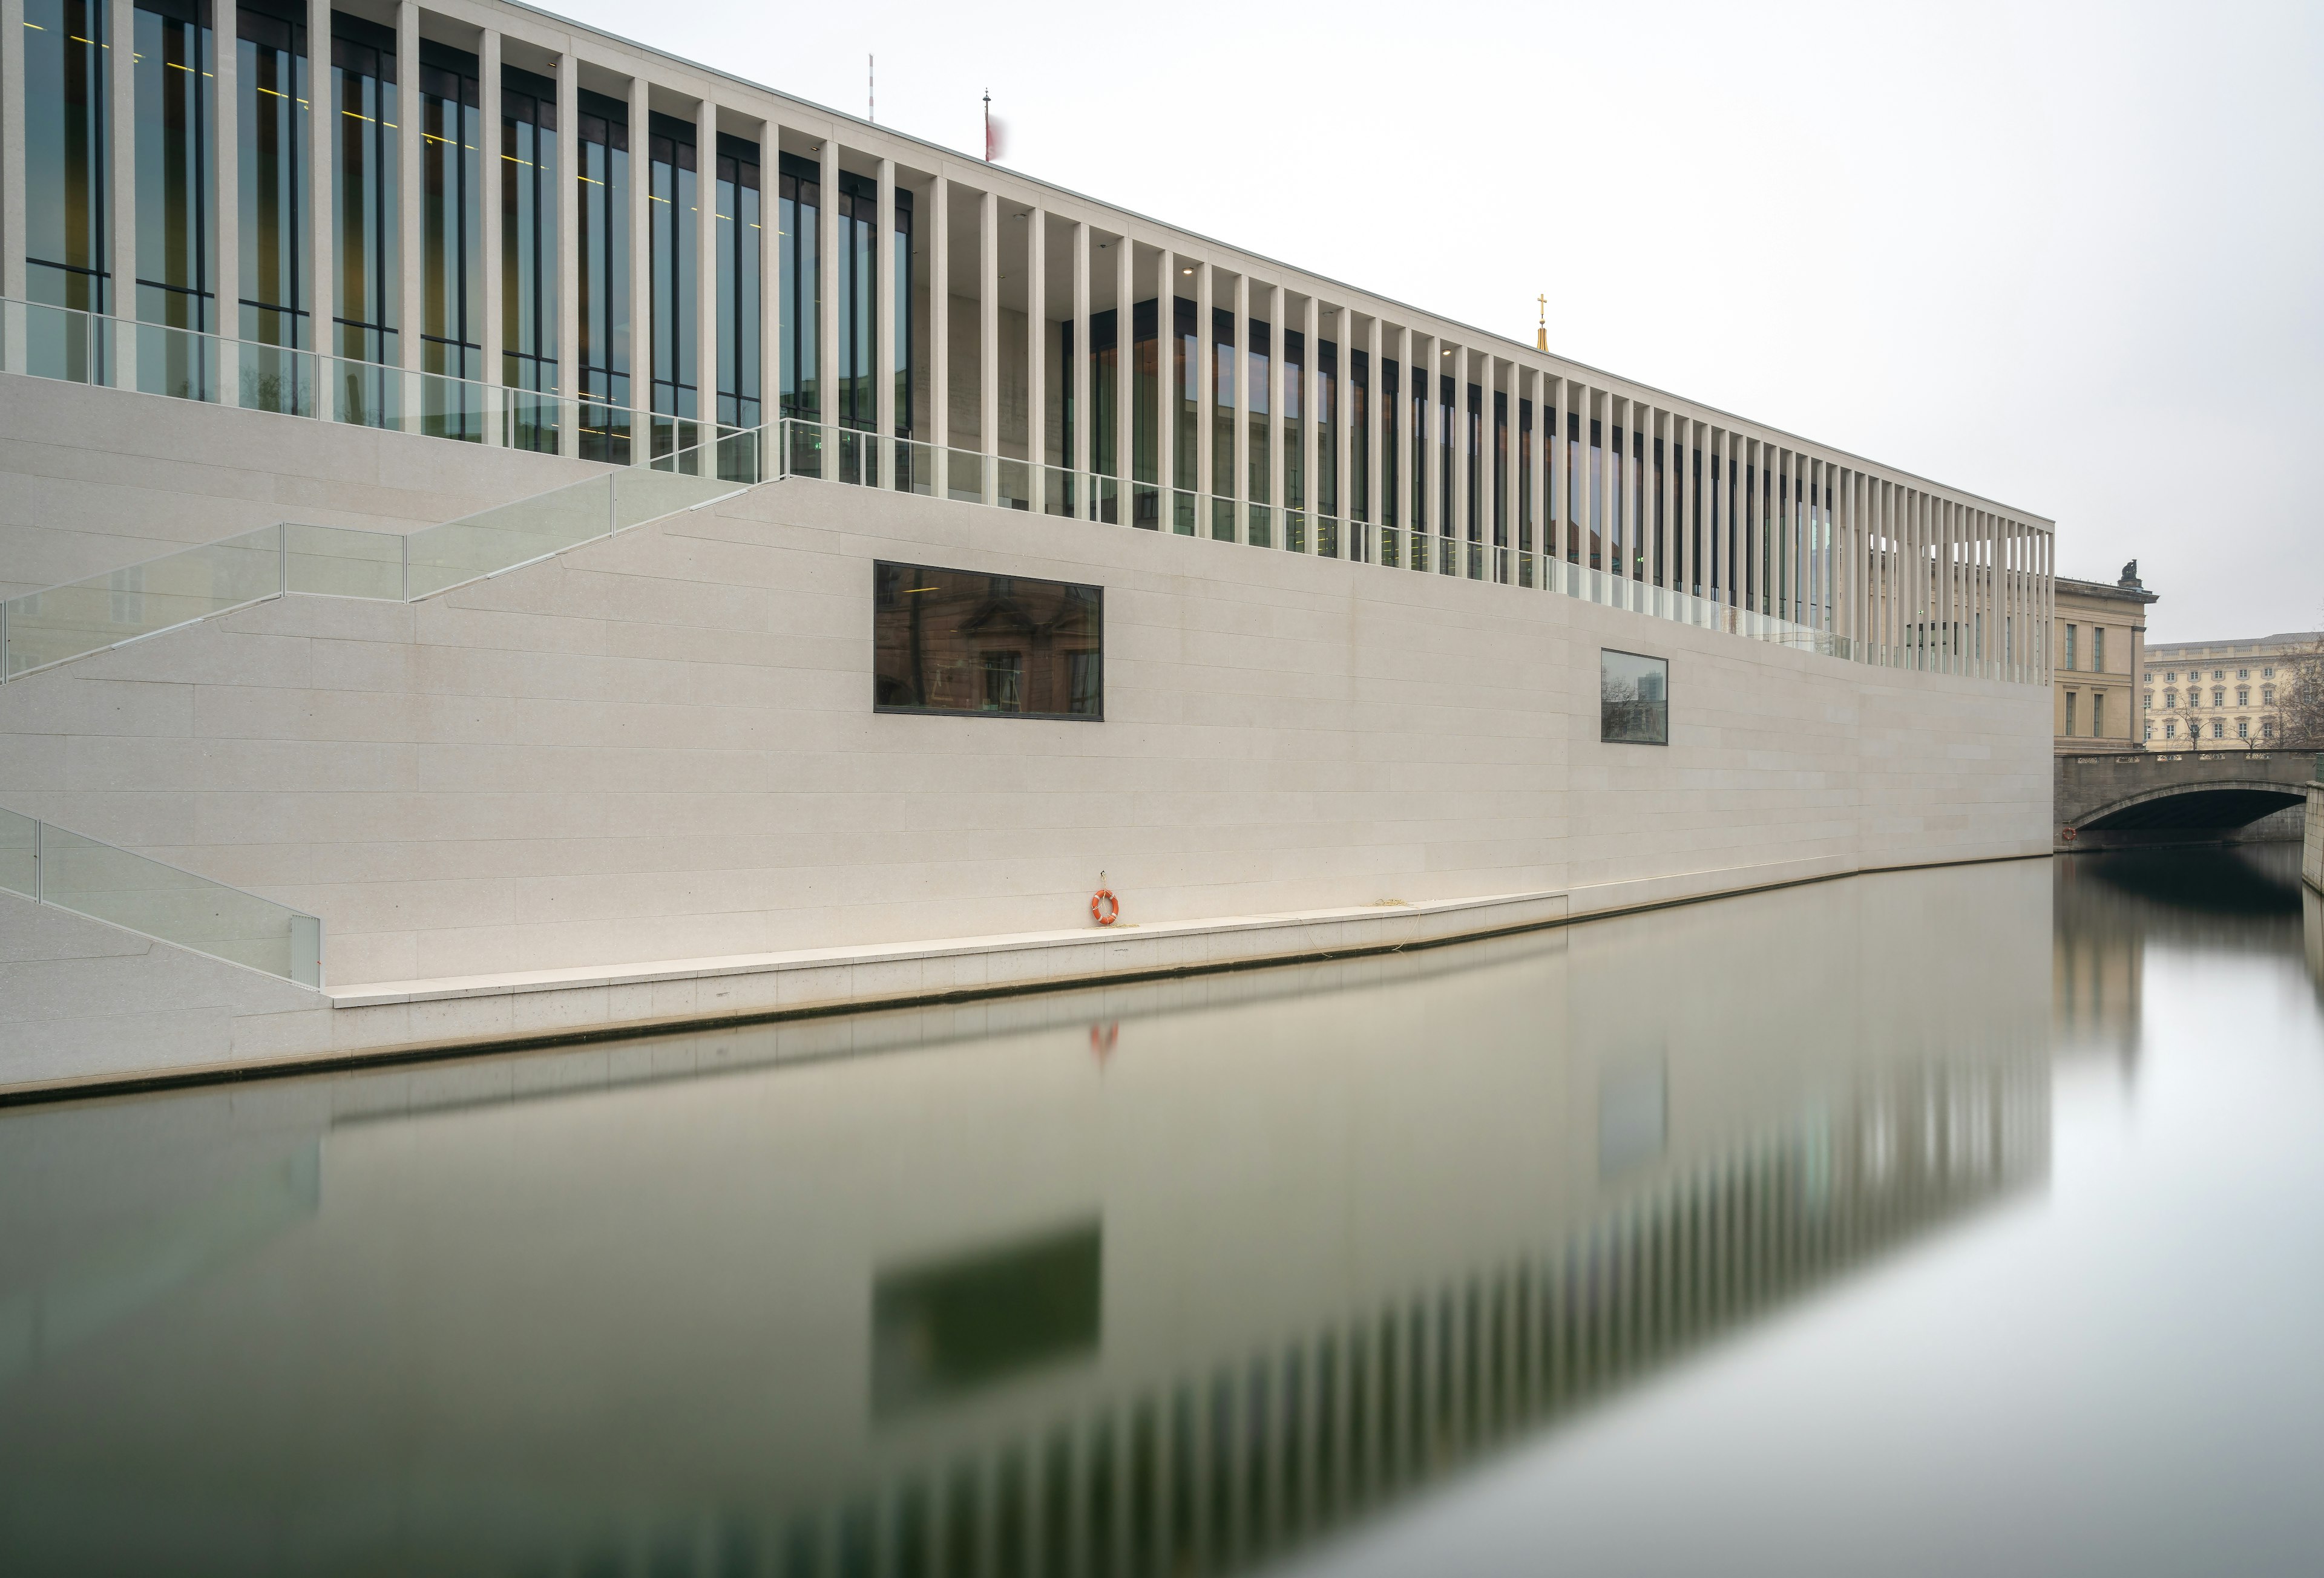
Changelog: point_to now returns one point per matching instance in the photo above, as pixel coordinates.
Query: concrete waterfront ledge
(411, 1022)
(389, 1023)
(814, 977)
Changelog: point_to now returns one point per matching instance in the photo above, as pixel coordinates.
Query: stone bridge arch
(2152, 797)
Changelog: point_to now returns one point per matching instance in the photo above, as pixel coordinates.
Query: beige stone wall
(92, 480)
(662, 747)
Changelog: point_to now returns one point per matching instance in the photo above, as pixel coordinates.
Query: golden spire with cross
(1541, 334)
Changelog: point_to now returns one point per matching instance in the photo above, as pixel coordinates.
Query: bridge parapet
(2136, 797)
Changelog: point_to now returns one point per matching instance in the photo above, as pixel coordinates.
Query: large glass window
(175, 179)
(603, 275)
(857, 215)
(962, 641)
(1295, 418)
(1391, 402)
(529, 241)
(65, 178)
(799, 288)
(738, 283)
(1256, 414)
(271, 116)
(1223, 381)
(451, 235)
(365, 216)
(1102, 369)
(1185, 356)
(1633, 699)
(672, 224)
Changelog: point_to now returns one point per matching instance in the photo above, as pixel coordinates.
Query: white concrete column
(1373, 513)
(1512, 497)
(1125, 377)
(1464, 484)
(826, 249)
(121, 182)
(1796, 530)
(1279, 414)
(1205, 374)
(1840, 589)
(1241, 437)
(1341, 322)
(1613, 476)
(1080, 380)
(1400, 438)
(643, 346)
(568, 188)
(1693, 581)
(11, 176)
(1948, 533)
(1166, 395)
(1538, 447)
(226, 177)
(705, 289)
(1924, 579)
(1892, 570)
(988, 343)
(770, 294)
(1310, 423)
(938, 430)
(410, 313)
(1654, 567)
(491, 174)
(322, 164)
(883, 317)
(1428, 355)
(1036, 360)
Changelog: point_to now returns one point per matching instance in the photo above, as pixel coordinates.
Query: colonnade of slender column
(1575, 475)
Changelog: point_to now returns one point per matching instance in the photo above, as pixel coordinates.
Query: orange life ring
(1104, 908)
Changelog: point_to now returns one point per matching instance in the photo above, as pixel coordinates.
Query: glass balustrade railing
(50, 866)
(113, 353)
(810, 449)
(58, 623)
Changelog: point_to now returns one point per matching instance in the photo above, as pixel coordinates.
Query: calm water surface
(1936, 1222)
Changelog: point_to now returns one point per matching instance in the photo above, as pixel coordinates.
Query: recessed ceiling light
(1186, 270)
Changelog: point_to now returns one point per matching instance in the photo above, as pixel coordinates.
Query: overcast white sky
(2067, 256)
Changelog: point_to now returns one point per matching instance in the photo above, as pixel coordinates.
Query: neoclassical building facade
(2221, 693)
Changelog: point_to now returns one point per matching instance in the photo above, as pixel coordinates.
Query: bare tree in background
(2300, 706)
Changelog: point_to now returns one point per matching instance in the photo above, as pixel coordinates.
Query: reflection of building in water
(2111, 907)
(1297, 1243)
(1246, 1457)
(2097, 958)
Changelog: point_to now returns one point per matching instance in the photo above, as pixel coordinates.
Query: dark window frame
(1097, 595)
(1605, 738)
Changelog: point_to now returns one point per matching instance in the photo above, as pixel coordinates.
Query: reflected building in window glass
(1633, 699)
(961, 641)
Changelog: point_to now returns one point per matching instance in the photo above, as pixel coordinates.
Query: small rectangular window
(2097, 717)
(1633, 699)
(962, 641)
(2097, 648)
(2069, 653)
(2069, 715)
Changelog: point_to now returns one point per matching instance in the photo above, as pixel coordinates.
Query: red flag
(994, 132)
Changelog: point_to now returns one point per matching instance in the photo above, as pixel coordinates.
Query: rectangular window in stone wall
(1633, 699)
(1007, 646)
